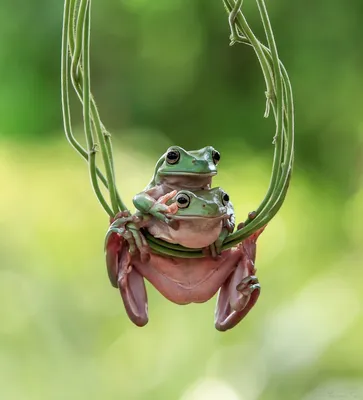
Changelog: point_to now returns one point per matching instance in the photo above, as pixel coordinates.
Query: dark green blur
(163, 73)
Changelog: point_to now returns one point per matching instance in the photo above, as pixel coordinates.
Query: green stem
(278, 82)
(87, 111)
(279, 180)
(272, 93)
(284, 132)
(104, 138)
(247, 33)
(67, 121)
(278, 94)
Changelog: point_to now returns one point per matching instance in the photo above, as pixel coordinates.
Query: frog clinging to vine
(194, 219)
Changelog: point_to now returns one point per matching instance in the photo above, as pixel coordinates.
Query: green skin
(205, 220)
(192, 171)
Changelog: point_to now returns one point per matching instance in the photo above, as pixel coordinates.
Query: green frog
(177, 169)
(200, 218)
(196, 219)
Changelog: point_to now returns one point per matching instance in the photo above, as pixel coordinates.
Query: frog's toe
(230, 310)
(131, 241)
(218, 245)
(139, 241)
(247, 282)
(160, 215)
(245, 289)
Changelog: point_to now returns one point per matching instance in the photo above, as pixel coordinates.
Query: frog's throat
(183, 173)
(189, 180)
(197, 217)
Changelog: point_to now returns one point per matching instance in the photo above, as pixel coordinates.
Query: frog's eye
(182, 200)
(216, 155)
(172, 156)
(225, 199)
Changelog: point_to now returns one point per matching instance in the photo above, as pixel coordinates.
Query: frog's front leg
(124, 229)
(241, 290)
(215, 248)
(155, 206)
(128, 228)
(132, 289)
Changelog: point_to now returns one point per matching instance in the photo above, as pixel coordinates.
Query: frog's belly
(184, 281)
(190, 233)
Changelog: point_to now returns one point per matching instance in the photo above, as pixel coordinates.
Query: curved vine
(279, 99)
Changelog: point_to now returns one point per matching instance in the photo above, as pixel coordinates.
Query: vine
(279, 99)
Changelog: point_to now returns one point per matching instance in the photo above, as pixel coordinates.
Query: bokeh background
(163, 73)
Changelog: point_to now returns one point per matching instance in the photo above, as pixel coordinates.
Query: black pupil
(182, 200)
(226, 197)
(216, 156)
(173, 155)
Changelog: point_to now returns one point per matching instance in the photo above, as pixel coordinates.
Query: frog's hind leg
(132, 289)
(113, 249)
(114, 244)
(227, 317)
(241, 290)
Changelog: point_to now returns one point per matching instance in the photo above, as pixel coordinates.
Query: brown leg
(133, 291)
(112, 250)
(241, 290)
(236, 297)
(113, 246)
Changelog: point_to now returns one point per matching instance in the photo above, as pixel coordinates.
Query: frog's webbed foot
(160, 208)
(132, 289)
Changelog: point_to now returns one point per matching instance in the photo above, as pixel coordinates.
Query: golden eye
(182, 200)
(225, 199)
(172, 157)
(216, 155)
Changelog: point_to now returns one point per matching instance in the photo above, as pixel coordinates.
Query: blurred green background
(162, 74)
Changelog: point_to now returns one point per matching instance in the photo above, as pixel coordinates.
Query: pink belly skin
(185, 281)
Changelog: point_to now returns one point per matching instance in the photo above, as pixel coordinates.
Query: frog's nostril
(203, 205)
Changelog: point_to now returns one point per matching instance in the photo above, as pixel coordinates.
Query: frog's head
(190, 169)
(202, 205)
